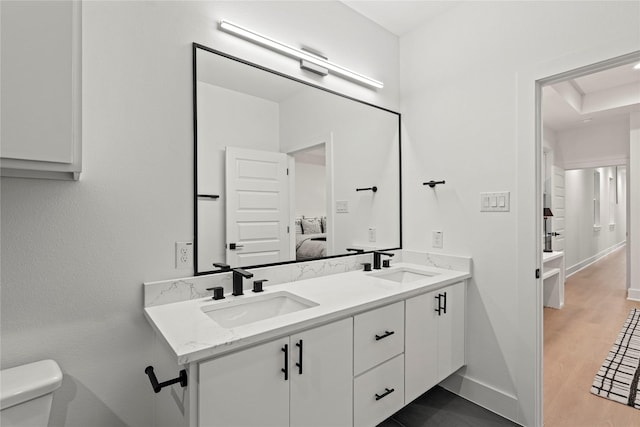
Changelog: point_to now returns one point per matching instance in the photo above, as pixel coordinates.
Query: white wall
(226, 118)
(468, 98)
(595, 145)
(584, 244)
(75, 254)
(364, 154)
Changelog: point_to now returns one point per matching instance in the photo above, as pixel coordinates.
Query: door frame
(327, 140)
(529, 159)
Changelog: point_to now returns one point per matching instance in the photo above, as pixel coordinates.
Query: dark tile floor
(441, 408)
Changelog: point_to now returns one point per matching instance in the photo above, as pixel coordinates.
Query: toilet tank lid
(26, 382)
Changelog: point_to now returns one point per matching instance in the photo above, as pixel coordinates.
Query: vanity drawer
(378, 335)
(379, 393)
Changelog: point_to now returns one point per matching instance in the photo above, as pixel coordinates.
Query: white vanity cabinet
(435, 338)
(301, 380)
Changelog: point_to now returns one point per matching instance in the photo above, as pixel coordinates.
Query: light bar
(296, 53)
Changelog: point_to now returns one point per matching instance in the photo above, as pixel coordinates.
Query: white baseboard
(633, 294)
(481, 394)
(587, 262)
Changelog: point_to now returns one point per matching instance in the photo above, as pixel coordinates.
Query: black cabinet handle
(299, 364)
(387, 391)
(285, 349)
(386, 334)
(445, 303)
(442, 304)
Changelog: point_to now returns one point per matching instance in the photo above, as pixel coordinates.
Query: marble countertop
(192, 336)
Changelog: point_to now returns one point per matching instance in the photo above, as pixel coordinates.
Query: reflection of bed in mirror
(311, 237)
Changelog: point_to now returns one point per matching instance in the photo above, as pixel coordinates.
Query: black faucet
(376, 258)
(222, 266)
(238, 274)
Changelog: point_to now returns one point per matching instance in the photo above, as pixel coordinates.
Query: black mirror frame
(195, 48)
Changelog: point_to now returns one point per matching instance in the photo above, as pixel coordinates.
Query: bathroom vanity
(342, 349)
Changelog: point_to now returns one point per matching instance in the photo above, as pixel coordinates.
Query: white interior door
(257, 208)
(558, 209)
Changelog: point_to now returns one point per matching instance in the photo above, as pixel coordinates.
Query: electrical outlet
(184, 255)
(372, 234)
(437, 239)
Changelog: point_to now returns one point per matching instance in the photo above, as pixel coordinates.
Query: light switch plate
(495, 202)
(342, 206)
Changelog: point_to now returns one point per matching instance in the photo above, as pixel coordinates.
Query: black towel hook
(433, 183)
(182, 379)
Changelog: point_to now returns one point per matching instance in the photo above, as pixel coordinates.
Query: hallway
(577, 339)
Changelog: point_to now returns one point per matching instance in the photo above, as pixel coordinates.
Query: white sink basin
(404, 275)
(253, 309)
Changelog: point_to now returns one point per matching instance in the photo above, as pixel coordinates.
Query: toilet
(26, 393)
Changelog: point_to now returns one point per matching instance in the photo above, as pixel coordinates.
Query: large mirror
(285, 171)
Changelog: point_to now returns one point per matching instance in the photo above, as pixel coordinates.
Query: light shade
(296, 53)
(546, 212)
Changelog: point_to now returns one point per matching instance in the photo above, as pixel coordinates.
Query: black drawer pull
(387, 391)
(285, 349)
(386, 334)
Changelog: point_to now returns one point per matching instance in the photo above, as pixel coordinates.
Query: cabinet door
(421, 345)
(246, 388)
(321, 389)
(41, 89)
(451, 331)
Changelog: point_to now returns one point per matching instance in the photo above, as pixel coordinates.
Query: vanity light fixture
(297, 53)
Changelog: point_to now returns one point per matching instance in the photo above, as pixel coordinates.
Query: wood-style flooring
(577, 339)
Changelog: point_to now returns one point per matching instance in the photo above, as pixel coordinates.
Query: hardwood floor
(577, 339)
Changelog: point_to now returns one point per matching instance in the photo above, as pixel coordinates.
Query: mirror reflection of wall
(335, 144)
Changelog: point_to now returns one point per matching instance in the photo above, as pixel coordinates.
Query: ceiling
(597, 98)
(593, 99)
(399, 16)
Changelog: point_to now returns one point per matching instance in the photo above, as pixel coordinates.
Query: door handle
(234, 246)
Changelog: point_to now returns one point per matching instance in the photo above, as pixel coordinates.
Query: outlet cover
(437, 239)
(372, 234)
(184, 255)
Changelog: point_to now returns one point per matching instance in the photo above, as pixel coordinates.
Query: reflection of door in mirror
(313, 200)
(257, 208)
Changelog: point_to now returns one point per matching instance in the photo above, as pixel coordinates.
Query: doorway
(578, 109)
